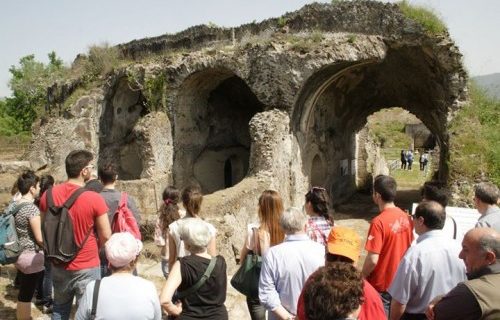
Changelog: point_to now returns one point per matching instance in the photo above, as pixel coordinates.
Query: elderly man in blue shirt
(428, 269)
(286, 267)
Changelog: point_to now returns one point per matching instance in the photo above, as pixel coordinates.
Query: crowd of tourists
(296, 263)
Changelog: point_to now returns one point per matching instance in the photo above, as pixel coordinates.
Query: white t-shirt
(121, 297)
(173, 230)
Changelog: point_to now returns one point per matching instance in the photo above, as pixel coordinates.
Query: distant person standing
(403, 160)
(486, 199)
(389, 236)
(421, 160)
(409, 158)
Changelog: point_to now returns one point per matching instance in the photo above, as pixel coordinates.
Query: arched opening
(335, 102)
(118, 143)
(228, 174)
(211, 135)
(317, 172)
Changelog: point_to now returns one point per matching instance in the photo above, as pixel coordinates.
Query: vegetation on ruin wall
(426, 17)
(29, 82)
(475, 139)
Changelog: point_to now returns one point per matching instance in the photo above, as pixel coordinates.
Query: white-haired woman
(197, 300)
(121, 295)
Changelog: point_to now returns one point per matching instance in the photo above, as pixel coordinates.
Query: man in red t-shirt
(89, 212)
(390, 234)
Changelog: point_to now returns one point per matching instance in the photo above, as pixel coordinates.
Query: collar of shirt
(296, 237)
(492, 209)
(429, 234)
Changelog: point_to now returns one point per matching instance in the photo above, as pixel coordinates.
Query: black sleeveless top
(208, 301)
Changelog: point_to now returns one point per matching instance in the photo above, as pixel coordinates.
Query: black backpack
(58, 234)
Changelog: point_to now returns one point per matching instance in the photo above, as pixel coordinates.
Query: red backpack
(124, 220)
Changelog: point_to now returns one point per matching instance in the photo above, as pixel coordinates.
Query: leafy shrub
(99, 61)
(475, 139)
(424, 16)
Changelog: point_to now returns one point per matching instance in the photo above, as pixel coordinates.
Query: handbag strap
(256, 241)
(95, 297)
(200, 282)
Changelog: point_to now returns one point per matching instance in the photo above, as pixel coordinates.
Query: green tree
(29, 83)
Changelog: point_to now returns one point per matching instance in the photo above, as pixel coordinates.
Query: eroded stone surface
(278, 105)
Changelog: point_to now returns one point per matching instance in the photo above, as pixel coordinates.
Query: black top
(208, 301)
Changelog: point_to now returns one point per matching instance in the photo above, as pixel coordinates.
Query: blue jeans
(69, 284)
(386, 301)
(44, 289)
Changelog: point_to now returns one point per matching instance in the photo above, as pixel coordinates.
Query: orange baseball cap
(343, 241)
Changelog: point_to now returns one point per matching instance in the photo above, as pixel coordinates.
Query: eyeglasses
(90, 166)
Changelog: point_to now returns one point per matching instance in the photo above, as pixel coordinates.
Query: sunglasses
(317, 189)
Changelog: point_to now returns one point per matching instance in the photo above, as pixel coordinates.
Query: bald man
(479, 297)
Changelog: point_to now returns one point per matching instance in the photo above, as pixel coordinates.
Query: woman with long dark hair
(317, 208)
(261, 236)
(169, 212)
(44, 288)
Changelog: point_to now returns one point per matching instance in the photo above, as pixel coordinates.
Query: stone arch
(211, 116)
(117, 141)
(336, 100)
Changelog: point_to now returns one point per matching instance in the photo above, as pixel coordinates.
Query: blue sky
(69, 27)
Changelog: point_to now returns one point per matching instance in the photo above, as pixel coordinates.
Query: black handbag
(246, 279)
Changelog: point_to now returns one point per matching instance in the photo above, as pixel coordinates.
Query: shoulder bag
(246, 279)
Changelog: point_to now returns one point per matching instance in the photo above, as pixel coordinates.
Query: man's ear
(490, 257)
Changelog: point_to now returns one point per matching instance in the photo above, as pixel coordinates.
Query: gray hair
(487, 192)
(293, 220)
(195, 234)
(490, 243)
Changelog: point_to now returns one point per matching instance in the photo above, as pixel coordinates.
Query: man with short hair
(429, 268)
(286, 266)
(87, 214)
(389, 237)
(436, 191)
(108, 174)
(486, 201)
(479, 297)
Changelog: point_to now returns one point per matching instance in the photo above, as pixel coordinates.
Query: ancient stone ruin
(277, 104)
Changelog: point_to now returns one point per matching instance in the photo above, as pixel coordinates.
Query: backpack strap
(123, 199)
(68, 204)
(454, 228)
(95, 297)
(200, 282)
(256, 241)
(18, 208)
(73, 197)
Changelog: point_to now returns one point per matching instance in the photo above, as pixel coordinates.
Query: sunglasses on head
(317, 189)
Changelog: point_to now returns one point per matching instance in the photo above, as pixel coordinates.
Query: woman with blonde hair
(261, 236)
